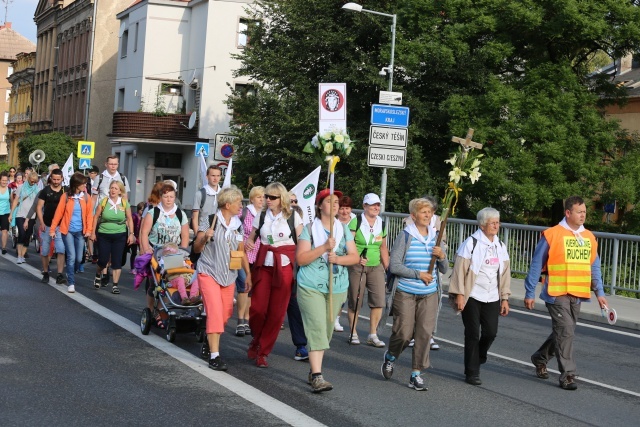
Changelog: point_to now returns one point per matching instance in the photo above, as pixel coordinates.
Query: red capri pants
(218, 303)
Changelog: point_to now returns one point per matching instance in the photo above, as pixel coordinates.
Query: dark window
(168, 160)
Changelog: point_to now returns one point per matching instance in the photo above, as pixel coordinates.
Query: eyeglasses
(271, 197)
(294, 201)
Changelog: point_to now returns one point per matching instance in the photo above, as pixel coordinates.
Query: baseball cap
(371, 199)
(324, 193)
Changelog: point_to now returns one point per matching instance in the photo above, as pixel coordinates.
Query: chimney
(6, 25)
(625, 64)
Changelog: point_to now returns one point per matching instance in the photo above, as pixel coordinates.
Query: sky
(21, 16)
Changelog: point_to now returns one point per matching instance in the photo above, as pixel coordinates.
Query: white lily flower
(452, 161)
(474, 175)
(456, 174)
(475, 164)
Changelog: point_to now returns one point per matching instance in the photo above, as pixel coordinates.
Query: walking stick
(355, 312)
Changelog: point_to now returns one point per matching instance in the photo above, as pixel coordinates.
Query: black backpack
(156, 215)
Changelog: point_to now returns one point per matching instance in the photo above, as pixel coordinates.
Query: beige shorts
(373, 280)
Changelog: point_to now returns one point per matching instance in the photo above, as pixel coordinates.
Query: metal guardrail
(619, 253)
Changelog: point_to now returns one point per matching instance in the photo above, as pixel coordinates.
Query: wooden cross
(466, 142)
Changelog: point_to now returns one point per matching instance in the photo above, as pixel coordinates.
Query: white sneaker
(337, 326)
(71, 289)
(434, 345)
(374, 341)
(20, 260)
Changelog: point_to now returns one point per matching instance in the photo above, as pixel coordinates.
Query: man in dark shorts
(48, 200)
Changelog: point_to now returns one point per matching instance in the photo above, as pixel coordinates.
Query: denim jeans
(74, 246)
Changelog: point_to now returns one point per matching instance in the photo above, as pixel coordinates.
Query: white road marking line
(529, 364)
(273, 406)
(584, 325)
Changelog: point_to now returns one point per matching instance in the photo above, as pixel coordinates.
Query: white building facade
(174, 59)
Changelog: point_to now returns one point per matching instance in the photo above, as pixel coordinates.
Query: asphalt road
(80, 359)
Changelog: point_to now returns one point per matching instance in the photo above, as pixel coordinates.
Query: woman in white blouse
(480, 286)
(278, 229)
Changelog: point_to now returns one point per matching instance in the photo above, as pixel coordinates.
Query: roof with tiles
(12, 43)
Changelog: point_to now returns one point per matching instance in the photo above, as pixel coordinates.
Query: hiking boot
(45, 277)
(60, 280)
(105, 280)
(416, 382)
(217, 364)
(541, 369)
(261, 361)
(387, 366)
(319, 384)
(301, 354)
(568, 383)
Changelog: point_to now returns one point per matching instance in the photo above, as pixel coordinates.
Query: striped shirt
(418, 258)
(214, 260)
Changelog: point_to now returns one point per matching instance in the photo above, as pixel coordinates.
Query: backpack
(290, 222)
(194, 257)
(203, 197)
(124, 181)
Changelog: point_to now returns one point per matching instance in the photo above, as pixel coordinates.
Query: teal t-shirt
(316, 274)
(114, 221)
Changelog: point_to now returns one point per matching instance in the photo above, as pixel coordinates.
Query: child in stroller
(179, 280)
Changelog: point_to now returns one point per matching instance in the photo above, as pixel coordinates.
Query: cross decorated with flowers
(465, 163)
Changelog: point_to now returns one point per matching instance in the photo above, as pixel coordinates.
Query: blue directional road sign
(84, 164)
(389, 115)
(202, 147)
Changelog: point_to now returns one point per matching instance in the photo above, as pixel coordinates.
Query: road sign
(84, 164)
(387, 157)
(387, 115)
(224, 146)
(388, 137)
(394, 98)
(86, 149)
(202, 147)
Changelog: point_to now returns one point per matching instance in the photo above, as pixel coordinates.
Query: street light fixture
(355, 7)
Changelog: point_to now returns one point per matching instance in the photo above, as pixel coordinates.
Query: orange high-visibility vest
(569, 263)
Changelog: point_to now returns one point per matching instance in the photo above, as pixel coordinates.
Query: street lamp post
(355, 7)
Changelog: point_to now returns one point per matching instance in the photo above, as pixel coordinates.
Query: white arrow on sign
(388, 136)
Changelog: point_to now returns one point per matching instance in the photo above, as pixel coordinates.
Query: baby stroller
(179, 318)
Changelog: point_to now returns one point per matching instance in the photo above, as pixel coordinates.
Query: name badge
(378, 239)
(270, 239)
(239, 237)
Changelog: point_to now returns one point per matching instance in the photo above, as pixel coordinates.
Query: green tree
(56, 146)
(517, 71)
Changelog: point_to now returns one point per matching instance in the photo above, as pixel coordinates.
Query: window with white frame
(9, 71)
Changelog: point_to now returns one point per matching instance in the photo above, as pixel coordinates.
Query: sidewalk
(627, 309)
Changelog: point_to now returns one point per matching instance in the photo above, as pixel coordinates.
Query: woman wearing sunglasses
(278, 229)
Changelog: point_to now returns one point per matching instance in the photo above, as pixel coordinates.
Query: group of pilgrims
(263, 259)
(308, 272)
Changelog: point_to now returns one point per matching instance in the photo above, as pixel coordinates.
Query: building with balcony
(75, 68)
(11, 44)
(20, 102)
(174, 59)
